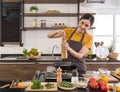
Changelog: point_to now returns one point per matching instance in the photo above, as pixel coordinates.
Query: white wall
(38, 38)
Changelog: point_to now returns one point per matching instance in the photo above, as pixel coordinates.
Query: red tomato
(93, 84)
(92, 79)
(104, 87)
(100, 82)
(118, 73)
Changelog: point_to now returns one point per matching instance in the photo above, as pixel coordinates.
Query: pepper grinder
(64, 54)
(59, 75)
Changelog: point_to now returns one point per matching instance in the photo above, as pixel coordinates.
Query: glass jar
(43, 23)
(35, 23)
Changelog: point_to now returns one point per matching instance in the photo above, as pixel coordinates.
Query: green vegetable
(36, 85)
(66, 84)
(117, 70)
(49, 86)
(34, 51)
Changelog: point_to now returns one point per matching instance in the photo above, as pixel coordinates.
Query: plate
(102, 52)
(64, 88)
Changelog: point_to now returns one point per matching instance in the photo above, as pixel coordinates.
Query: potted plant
(112, 54)
(33, 8)
(32, 54)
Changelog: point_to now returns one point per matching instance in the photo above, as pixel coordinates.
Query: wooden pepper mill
(59, 75)
(64, 54)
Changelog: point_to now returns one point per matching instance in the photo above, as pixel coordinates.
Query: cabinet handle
(20, 13)
(20, 27)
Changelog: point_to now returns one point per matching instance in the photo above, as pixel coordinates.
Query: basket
(113, 55)
(34, 57)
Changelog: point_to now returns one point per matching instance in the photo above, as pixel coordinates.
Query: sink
(8, 58)
(50, 58)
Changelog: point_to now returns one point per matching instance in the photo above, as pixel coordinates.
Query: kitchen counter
(18, 67)
(45, 58)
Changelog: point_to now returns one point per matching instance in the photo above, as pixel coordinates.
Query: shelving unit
(50, 1)
(50, 14)
(77, 14)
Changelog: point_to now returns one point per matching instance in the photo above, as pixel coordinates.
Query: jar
(43, 23)
(35, 23)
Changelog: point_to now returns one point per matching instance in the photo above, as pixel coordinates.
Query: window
(104, 30)
(117, 33)
(107, 31)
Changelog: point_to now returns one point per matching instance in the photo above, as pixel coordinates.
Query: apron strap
(82, 38)
(71, 34)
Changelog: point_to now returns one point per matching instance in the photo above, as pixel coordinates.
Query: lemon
(118, 88)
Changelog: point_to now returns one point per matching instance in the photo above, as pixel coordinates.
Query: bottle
(59, 75)
(74, 78)
(64, 54)
(35, 23)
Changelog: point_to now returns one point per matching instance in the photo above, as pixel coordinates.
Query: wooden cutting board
(111, 78)
(115, 75)
(28, 87)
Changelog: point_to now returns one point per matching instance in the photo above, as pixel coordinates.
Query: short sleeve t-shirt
(87, 41)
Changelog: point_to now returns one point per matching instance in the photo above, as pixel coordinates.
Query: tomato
(104, 87)
(92, 79)
(93, 84)
(118, 73)
(100, 82)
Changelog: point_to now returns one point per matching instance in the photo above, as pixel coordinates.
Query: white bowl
(82, 83)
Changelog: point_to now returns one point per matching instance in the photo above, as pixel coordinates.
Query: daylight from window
(107, 31)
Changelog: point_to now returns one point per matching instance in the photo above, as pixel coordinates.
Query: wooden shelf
(46, 28)
(86, 13)
(53, 15)
(42, 28)
(51, 1)
(11, 0)
(50, 14)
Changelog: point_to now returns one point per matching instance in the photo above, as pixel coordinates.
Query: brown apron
(80, 63)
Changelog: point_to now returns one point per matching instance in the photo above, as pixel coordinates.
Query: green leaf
(25, 52)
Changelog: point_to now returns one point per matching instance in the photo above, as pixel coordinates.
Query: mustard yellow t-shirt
(87, 41)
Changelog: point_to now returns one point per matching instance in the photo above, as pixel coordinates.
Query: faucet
(55, 46)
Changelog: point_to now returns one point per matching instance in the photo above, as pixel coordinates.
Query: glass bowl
(82, 83)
